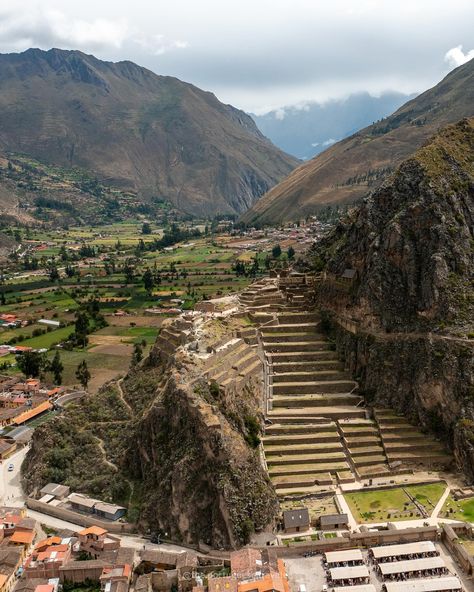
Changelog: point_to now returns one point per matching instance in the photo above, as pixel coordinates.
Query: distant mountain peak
(349, 169)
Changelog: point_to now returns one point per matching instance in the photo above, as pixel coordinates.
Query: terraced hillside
(319, 432)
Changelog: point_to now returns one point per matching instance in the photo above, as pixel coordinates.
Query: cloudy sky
(259, 54)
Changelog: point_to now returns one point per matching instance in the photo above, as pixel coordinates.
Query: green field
(394, 503)
(49, 339)
(106, 264)
(459, 510)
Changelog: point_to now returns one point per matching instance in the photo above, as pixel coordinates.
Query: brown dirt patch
(140, 321)
(114, 348)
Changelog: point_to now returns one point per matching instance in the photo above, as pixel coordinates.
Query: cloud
(329, 142)
(52, 28)
(280, 114)
(456, 57)
(158, 44)
(270, 54)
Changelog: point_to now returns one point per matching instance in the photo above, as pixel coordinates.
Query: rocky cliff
(397, 289)
(177, 448)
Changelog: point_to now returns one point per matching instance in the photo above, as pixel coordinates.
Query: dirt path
(104, 454)
(122, 396)
(346, 324)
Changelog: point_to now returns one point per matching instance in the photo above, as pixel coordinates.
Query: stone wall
(428, 379)
(360, 539)
(76, 518)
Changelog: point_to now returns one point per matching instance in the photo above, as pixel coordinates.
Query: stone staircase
(318, 432)
(310, 393)
(233, 364)
(406, 445)
(364, 445)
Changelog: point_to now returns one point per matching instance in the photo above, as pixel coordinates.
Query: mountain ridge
(136, 130)
(307, 129)
(348, 170)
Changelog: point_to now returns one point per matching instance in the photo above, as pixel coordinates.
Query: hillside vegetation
(405, 323)
(351, 168)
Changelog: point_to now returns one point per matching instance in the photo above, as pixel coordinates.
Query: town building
(334, 522)
(296, 520)
(94, 540)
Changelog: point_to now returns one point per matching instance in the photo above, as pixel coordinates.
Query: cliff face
(168, 442)
(202, 481)
(403, 316)
(411, 242)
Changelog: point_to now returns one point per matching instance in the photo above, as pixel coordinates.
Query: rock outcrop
(177, 439)
(397, 290)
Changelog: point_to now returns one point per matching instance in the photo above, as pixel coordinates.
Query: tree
(148, 280)
(82, 374)
(276, 251)
(137, 356)
(32, 363)
(290, 253)
(129, 271)
(81, 328)
(53, 273)
(57, 368)
(146, 228)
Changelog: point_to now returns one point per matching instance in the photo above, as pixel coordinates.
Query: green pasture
(380, 505)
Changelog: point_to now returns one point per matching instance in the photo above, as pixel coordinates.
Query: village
(357, 509)
(39, 559)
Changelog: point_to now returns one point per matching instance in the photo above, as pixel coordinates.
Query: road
(11, 494)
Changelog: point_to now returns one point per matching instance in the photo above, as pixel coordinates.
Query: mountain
(310, 128)
(136, 131)
(404, 323)
(348, 170)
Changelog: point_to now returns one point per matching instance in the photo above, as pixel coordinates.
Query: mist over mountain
(348, 170)
(307, 129)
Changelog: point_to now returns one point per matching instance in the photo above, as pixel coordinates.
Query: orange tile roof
(97, 530)
(3, 579)
(12, 518)
(26, 415)
(44, 588)
(54, 540)
(60, 555)
(22, 537)
(272, 581)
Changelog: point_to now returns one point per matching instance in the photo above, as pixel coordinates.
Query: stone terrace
(319, 432)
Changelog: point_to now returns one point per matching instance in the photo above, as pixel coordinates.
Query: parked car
(11, 467)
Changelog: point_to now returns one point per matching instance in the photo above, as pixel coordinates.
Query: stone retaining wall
(360, 539)
(80, 519)
(450, 537)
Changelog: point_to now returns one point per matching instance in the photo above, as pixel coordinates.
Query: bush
(214, 388)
